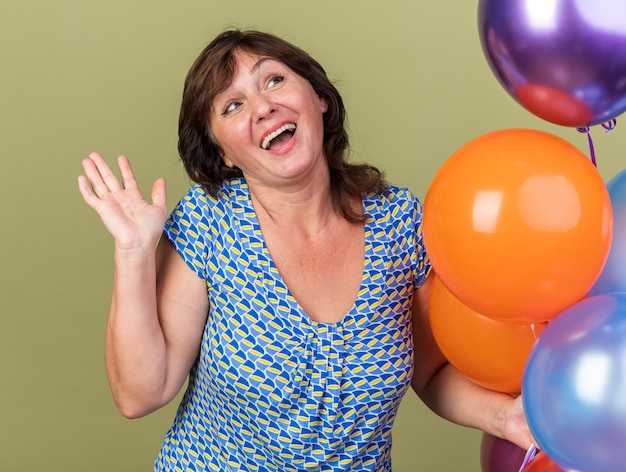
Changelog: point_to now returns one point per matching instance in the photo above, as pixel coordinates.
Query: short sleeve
(422, 263)
(188, 229)
(397, 216)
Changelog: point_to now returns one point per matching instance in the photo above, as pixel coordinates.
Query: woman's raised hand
(132, 221)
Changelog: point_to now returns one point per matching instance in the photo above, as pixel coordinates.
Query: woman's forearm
(455, 398)
(135, 352)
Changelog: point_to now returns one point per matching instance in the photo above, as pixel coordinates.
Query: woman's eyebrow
(259, 63)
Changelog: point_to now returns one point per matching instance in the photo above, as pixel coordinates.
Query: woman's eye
(275, 80)
(230, 107)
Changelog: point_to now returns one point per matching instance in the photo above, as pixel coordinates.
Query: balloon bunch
(528, 244)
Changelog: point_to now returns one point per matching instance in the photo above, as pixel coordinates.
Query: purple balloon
(499, 455)
(562, 60)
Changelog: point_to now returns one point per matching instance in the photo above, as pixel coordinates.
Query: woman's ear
(227, 161)
(323, 104)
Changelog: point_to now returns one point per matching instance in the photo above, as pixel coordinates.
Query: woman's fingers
(99, 182)
(93, 177)
(126, 171)
(158, 195)
(102, 180)
(86, 191)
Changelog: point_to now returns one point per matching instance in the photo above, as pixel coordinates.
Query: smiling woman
(288, 286)
(269, 124)
(212, 74)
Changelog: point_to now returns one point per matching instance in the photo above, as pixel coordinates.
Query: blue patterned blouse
(273, 390)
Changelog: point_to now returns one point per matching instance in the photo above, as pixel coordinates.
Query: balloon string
(607, 125)
(592, 153)
(532, 451)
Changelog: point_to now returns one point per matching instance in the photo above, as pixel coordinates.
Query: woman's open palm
(131, 220)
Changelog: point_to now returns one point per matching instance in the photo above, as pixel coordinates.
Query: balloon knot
(609, 125)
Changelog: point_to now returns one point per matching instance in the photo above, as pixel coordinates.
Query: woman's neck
(306, 208)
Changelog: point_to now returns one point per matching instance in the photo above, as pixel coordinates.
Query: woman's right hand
(132, 221)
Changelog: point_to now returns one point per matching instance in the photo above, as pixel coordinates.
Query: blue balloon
(612, 278)
(574, 386)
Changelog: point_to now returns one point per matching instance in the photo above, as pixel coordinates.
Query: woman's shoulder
(230, 190)
(201, 217)
(196, 193)
(392, 196)
(395, 192)
(199, 208)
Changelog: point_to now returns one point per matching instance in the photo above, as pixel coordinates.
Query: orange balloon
(542, 463)
(518, 224)
(491, 353)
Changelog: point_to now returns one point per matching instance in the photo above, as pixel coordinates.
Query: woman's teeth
(265, 144)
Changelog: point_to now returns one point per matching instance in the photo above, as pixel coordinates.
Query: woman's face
(269, 122)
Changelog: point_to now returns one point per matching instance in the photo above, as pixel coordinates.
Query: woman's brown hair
(212, 73)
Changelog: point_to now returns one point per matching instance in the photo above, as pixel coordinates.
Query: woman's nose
(262, 107)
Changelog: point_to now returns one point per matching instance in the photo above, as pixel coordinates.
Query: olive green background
(79, 76)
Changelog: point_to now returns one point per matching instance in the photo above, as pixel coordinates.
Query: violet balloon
(499, 455)
(574, 386)
(562, 60)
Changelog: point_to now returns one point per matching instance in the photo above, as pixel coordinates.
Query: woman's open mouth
(278, 137)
